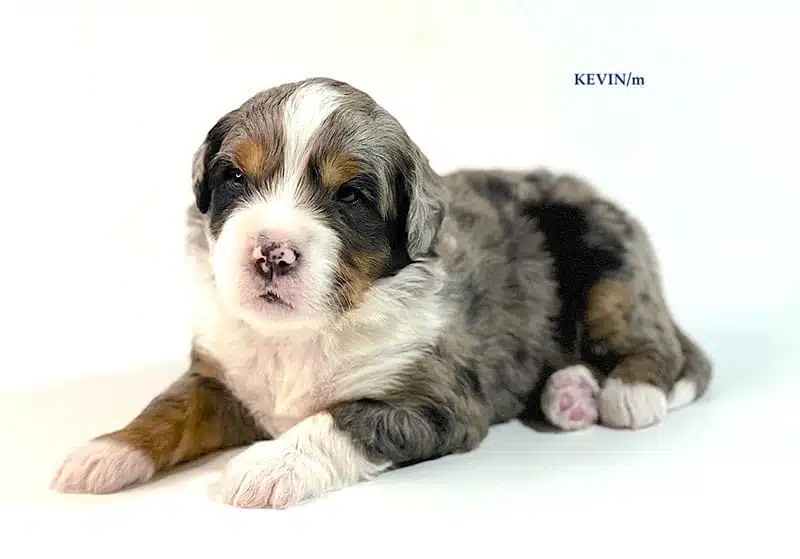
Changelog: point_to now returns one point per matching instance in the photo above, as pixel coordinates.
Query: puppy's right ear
(204, 156)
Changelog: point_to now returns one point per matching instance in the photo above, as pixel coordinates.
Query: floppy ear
(426, 206)
(203, 158)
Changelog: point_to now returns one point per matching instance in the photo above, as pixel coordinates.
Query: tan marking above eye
(249, 156)
(337, 169)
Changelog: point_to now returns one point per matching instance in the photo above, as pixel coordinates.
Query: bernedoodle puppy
(357, 312)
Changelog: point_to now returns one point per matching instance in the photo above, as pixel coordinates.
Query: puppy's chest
(282, 385)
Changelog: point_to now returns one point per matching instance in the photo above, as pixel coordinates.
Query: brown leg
(193, 417)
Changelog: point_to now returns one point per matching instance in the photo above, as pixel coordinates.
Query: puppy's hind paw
(631, 405)
(568, 399)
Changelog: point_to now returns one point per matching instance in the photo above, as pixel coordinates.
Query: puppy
(356, 312)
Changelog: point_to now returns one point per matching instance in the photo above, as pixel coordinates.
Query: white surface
(103, 104)
(717, 476)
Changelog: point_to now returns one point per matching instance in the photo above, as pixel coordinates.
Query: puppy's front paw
(102, 466)
(631, 405)
(273, 474)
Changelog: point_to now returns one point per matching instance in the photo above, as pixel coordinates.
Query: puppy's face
(312, 194)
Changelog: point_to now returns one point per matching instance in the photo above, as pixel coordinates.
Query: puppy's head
(312, 194)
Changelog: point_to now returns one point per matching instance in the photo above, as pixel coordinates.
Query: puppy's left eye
(236, 177)
(348, 194)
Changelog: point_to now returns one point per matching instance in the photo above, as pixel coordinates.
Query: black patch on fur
(522, 356)
(226, 195)
(582, 254)
(498, 192)
(396, 228)
(603, 360)
(494, 189)
(532, 414)
(362, 227)
(402, 433)
(203, 188)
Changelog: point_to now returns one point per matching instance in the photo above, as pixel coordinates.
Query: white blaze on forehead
(303, 115)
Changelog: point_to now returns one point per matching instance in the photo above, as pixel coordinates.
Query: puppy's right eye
(347, 194)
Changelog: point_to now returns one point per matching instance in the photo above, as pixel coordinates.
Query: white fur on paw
(310, 459)
(682, 394)
(102, 466)
(272, 474)
(569, 398)
(631, 405)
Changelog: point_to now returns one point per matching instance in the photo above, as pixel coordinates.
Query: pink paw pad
(569, 398)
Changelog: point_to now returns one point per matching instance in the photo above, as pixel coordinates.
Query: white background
(103, 103)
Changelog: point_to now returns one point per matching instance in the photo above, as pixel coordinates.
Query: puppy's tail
(695, 376)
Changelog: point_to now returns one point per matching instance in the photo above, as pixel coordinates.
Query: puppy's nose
(275, 258)
(281, 254)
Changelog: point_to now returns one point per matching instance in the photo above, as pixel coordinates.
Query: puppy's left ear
(426, 206)
(204, 156)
